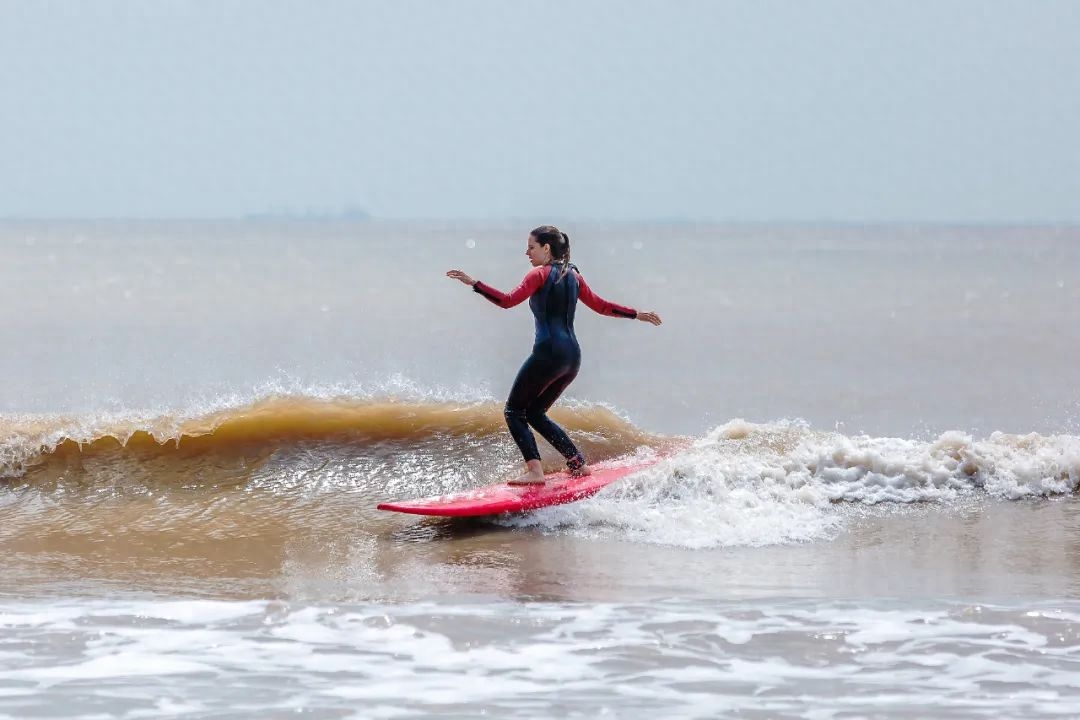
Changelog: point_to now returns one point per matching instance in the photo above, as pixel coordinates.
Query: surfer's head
(548, 244)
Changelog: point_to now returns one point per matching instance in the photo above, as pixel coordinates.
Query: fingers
(650, 317)
(459, 275)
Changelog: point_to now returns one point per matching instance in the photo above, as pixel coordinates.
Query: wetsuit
(556, 356)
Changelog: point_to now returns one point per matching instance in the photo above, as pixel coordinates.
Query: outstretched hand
(649, 317)
(458, 275)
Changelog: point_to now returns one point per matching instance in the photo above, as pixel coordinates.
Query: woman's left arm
(606, 307)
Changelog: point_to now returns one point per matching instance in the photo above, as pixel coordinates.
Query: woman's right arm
(533, 281)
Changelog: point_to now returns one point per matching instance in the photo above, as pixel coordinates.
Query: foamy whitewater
(864, 504)
(746, 484)
(185, 658)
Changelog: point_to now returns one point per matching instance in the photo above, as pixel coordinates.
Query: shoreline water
(236, 399)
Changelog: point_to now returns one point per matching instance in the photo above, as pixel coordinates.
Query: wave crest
(278, 422)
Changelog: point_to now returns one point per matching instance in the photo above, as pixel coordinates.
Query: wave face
(282, 463)
(231, 444)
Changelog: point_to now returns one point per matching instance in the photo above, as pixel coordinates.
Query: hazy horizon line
(535, 219)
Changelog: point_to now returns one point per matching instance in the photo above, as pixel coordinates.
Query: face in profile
(538, 254)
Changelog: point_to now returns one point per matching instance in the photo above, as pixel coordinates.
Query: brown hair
(558, 242)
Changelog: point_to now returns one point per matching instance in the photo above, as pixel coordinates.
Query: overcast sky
(916, 110)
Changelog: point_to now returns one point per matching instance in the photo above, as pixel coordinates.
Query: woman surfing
(553, 288)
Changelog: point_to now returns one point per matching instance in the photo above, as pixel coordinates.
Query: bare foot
(534, 475)
(581, 471)
(529, 478)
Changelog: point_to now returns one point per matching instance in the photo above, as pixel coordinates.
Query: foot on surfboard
(528, 479)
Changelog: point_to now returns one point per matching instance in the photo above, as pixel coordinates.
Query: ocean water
(866, 506)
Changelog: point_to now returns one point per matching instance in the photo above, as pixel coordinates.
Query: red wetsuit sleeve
(600, 305)
(533, 281)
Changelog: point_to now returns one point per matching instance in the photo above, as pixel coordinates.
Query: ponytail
(559, 243)
(565, 259)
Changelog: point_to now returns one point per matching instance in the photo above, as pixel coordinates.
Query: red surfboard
(559, 489)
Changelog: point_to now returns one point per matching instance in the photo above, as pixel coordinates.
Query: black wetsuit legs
(542, 379)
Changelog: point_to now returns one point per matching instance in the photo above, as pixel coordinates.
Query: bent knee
(536, 416)
(510, 411)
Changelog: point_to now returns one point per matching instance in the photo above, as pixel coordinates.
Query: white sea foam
(762, 484)
(693, 659)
